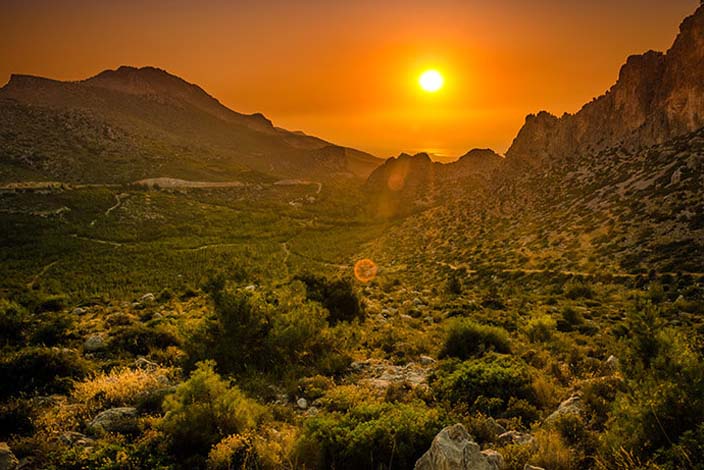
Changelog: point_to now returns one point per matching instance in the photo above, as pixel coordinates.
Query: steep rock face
(657, 97)
(454, 449)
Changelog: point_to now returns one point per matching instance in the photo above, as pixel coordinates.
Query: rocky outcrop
(118, 420)
(454, 449)
(657, 97)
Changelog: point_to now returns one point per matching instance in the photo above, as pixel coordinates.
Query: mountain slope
(657, 97)
(616, 188)
(129, 123)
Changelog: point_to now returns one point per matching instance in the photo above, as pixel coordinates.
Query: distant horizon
(357, 87)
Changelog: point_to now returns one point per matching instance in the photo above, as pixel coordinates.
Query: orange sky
(347, 70)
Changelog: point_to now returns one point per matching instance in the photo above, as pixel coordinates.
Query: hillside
(129, 124)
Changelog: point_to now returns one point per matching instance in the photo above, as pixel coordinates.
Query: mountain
(657, 97)
(132, 123)
(409, 182)
(615, 188)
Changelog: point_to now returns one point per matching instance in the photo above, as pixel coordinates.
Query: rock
(8, 461)
(495, 427)
(613, 364)
(250, 288)
(532, 467)
(148, 298)
(119, 420)
(146, 364)
(515, 438)
(302, 403)
(72, 438)
(494, 458)
(454, 449)
(427, 360)
(572, 406)
(94, 343)
(79, 311)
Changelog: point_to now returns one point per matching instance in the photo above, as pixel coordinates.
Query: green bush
(466, 339)
(203, 410)
(139, 339)
(377, 435)
(14, 322)
(492, 377)
(337, 296)
(53, 329)
(40, 370)
(540, 328)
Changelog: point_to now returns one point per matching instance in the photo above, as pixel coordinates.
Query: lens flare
(365, 270)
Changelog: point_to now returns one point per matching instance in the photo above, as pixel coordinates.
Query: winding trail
(43, 271)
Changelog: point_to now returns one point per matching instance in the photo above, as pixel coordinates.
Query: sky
(347, 71)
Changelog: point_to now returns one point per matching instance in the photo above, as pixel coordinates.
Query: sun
(431, 81)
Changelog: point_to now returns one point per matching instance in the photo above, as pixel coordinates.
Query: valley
(179, 285)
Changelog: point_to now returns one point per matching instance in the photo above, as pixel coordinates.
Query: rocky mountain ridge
(657, 97)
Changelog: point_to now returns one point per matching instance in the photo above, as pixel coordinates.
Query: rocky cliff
(657, 97)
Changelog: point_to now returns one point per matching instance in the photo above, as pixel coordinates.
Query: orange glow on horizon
(348, 71)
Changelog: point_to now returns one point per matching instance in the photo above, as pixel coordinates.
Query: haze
(347, 71)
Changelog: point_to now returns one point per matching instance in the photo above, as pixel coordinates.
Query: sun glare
(431, 81)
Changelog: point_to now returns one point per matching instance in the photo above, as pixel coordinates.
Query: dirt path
(43, 271)
(97, 240)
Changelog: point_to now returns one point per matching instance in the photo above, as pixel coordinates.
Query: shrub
(205, 409)
(52, 330)
(139, 339)
(540, 328)
(13, 323)
(466, 339)
(491, 377)
(377, 435)
(578, 289)
(337, 296)
(552, 452)
(52, 303)
(40, 370)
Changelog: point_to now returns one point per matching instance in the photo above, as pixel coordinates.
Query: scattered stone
(613, 364)
(72, 438)
(250, 288)
(495, 427)
(144, 363)
(302, 403)
(454, 449)
(427, 360)
(120, 420)
(8, 461)
(572, 406)
(515, 438)
(79, 311)
(94, 343)
(148, 298)
(532, 467)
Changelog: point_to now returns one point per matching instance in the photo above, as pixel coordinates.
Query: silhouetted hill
(127, 124)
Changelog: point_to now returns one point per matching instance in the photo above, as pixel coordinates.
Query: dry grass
(121, 386)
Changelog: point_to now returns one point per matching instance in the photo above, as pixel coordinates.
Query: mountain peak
(657, 96)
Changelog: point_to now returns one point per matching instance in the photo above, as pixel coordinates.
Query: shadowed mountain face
(657, 97)
(409, 182)
(127, 124)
